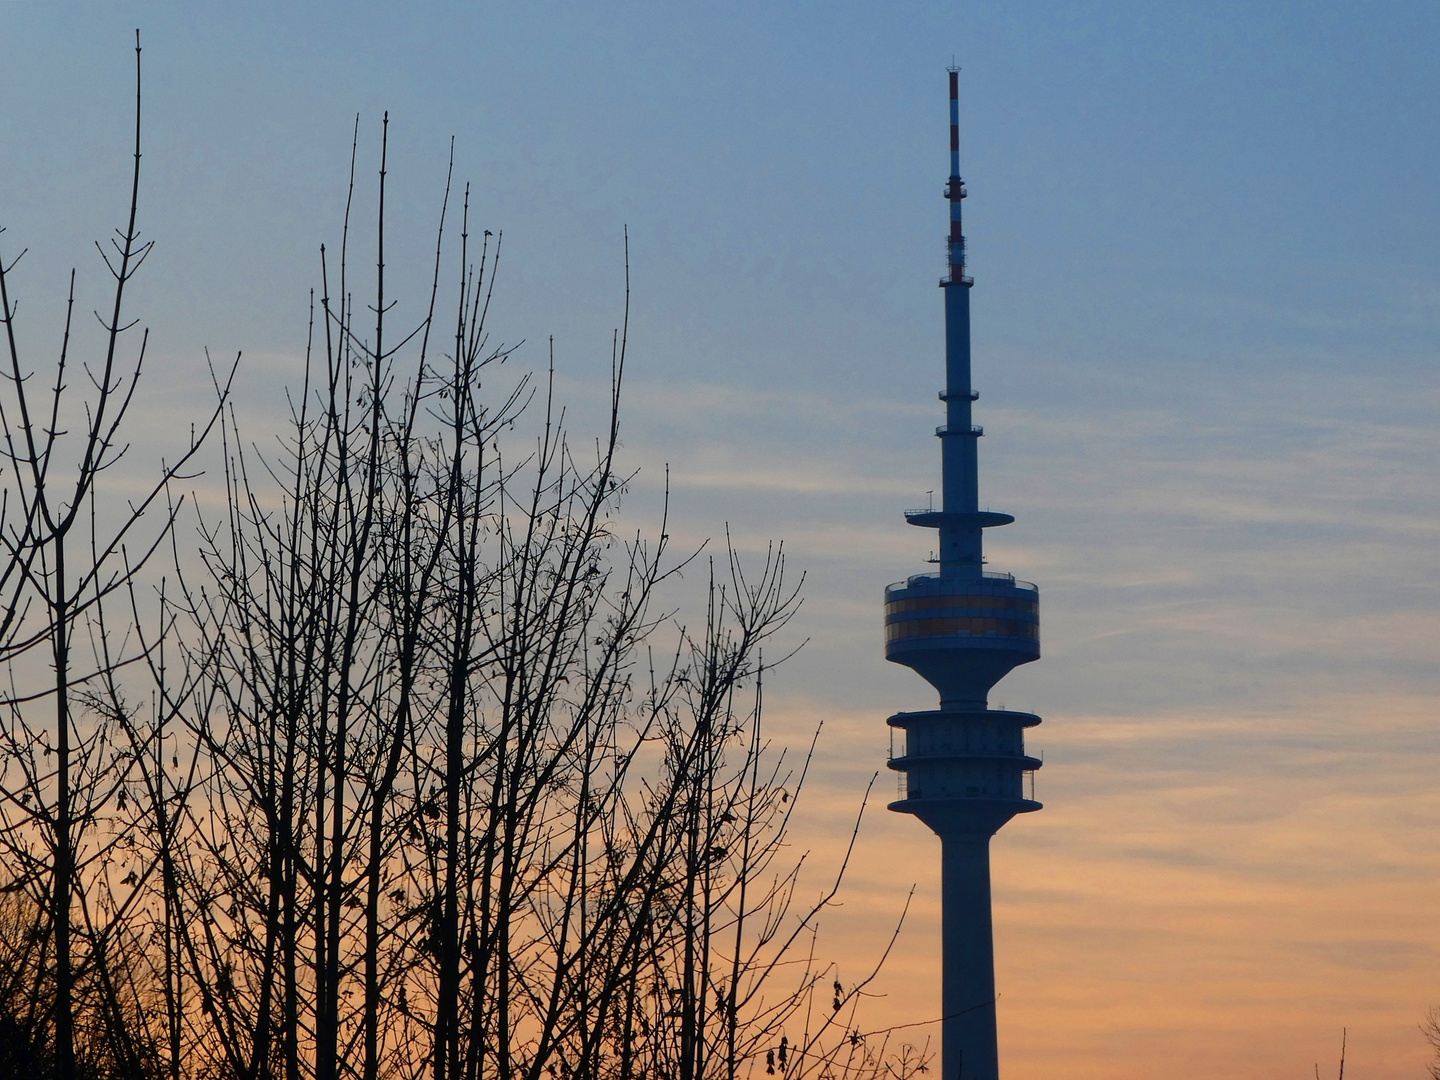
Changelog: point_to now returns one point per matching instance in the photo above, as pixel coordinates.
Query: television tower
(962, 766)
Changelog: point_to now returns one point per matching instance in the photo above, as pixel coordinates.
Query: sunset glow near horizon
(1205, 323)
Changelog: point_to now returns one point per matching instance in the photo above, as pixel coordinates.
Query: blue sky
(1206, 319)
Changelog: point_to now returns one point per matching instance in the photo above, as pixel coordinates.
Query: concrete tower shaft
(962, 766)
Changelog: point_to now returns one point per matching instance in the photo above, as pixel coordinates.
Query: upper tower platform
(962, 634)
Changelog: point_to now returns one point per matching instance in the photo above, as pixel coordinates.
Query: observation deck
(962, 634)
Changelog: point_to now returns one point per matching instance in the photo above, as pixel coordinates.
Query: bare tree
(1341, 1075)
(521, 820)
(67, 730)
(418, 769)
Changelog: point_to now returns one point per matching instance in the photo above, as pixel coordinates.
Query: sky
(1205, 321)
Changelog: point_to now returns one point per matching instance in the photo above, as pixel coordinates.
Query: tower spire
(962, 766)
(955, 189)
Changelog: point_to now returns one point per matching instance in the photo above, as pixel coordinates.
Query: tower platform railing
(915, 581)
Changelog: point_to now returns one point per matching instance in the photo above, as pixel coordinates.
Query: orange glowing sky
(1238, 857)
